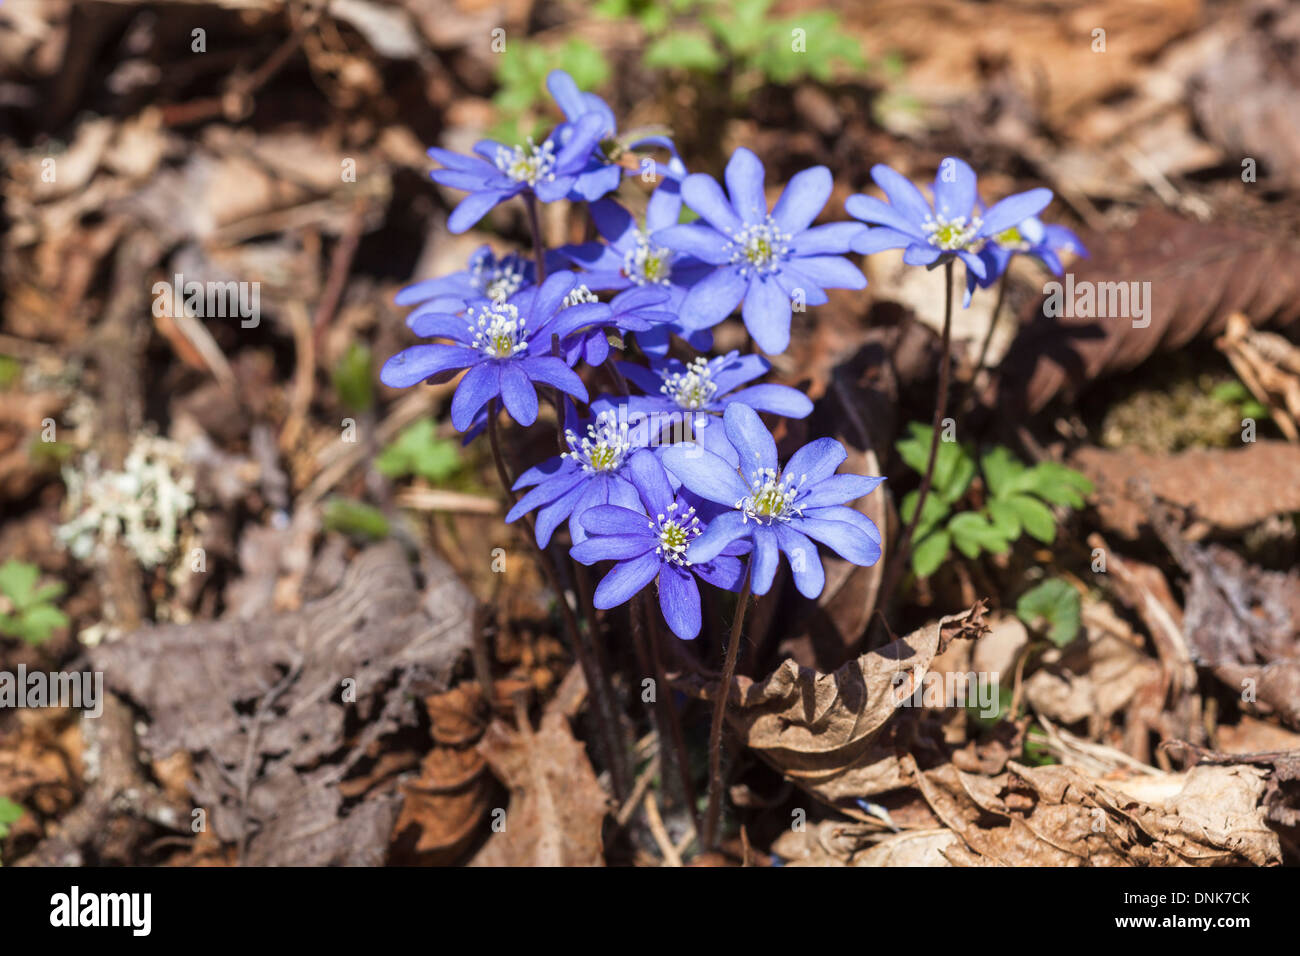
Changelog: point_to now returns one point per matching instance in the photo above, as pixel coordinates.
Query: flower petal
(614, 520)
(776, 399)
(839, 490)
(705, 473)
(752, 441)
(804, 197)
(552, 371)
(696, 239)
(480, 384)
(713, 299)
(703, 194)
(816, 461)
(419, 362)
(612, 547)
(626, 580)
(954, 189)
(805, 562)
(474, 207)
(1014, 209)
(767, 313)
(871, 210)
(764, 560)
(870, 241)
(830, 239)
(902, 192)
(844, 538)
(679, 600)
(518, 394)
(647, 475)
(722, 531)
(744, 175)
(831, 272)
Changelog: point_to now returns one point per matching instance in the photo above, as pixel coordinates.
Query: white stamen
(498, 330)
(693, 389)
(771, 497)
(759, 248)
(675, 533)
(953, 234)
(531, 164)
(647, 263)
(605, 447)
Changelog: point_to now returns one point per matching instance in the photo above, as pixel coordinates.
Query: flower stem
(711, 815)
(595, 683)
(535, 224)
(993, 321)
(666, 718)
(903, 551)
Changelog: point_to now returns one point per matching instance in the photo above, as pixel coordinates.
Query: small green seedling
(352, 379)
(419, 451)
(28, 611)
(355, 519)
(10, 812)
(1017, 499)
(1051, 608)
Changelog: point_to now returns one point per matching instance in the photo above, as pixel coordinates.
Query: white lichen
(141, 506)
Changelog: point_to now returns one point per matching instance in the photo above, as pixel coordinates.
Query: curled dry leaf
(1196, 275)
(1223, 489)
(1056, 816)
(824, 730)
(557, 807)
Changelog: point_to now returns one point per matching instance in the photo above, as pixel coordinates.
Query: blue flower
(1032, 237)
(710, 385)
(763, 259)
(779, 510)
(601, 172)
(655, 543)
(548, 170)
(505, 345)
(633, 310)
(951, 228)
(630, 258)
(487, 276)
(592, 472)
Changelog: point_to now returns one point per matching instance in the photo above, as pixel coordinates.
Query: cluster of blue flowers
(719, 507)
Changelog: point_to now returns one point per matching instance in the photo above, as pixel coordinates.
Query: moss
(1183, 414)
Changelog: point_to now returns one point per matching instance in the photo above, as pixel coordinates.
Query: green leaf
(1003, 517)
(972, 532)
(930, 553)
(934, 512)
(1054, 606)
(1035, 516)
(1001, 471)
(355, 519)
(10, 812)
(18, 580)
(35, 625)
(685, 50)
(1058, 484)
(953, 466)
(419, 451)
(352, 378)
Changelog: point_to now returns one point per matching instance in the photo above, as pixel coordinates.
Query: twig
(903, 551)
(658, 831)
(719, 710)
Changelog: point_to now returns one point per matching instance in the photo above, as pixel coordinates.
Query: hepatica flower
(710, 385)
(653, 540)
(592, 472)
(633, 310)
(762, 259)
(505, 346)
(631, 258)
(1032, 237)
(601, 172)
(952, 227)
(497, 172)
(780, 510)
(487, 276)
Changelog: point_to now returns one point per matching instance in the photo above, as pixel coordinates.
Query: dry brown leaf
(824, 731)
(1230, 489)
(556, 804)
(1056, 816)
(1199, 275)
